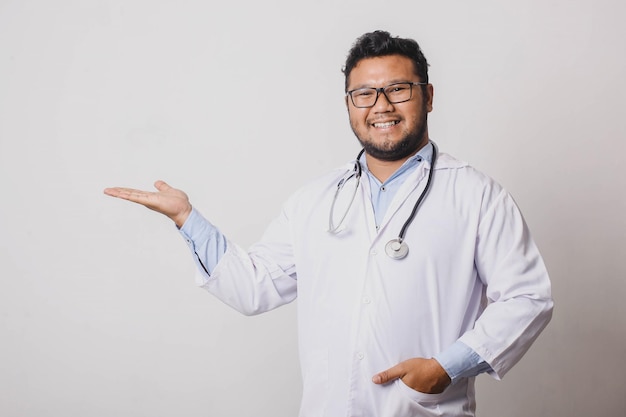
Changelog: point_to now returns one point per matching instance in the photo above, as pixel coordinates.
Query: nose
(382, 103)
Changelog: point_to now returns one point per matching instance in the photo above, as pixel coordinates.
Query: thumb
(388, 375)
(161, 185)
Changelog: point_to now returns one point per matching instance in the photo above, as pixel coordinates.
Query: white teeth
(386, 124)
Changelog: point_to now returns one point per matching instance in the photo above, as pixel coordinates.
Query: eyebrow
(396, 81)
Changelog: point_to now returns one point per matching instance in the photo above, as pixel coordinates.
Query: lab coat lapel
(368, 209)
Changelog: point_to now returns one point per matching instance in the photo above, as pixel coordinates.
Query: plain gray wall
(239, 103)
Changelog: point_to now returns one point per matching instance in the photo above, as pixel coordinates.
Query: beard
(390, 151)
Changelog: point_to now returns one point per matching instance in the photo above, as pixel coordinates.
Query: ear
(347, 103)
(429, 101)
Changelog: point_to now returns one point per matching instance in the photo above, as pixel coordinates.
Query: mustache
(383, 117)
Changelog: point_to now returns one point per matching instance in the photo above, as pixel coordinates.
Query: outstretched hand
(423, 375)
(167, 200)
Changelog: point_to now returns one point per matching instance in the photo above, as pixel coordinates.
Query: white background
(238, 103)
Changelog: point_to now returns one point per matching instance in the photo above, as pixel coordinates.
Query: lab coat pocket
(428, 403)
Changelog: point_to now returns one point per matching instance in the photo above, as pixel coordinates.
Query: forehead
(380, 71)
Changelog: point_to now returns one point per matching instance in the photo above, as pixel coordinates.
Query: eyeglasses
(394, 93)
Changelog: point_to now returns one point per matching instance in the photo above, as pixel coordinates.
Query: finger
(117, 191)
(389, 375)
(136, 196)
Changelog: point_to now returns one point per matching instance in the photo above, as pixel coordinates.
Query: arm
(252, 282)
(519, 305)
(259, 279)
(517, 287)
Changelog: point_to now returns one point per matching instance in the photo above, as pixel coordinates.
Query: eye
(397, 88)
(364, 92)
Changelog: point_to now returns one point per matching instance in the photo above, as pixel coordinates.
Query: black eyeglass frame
(382, 90)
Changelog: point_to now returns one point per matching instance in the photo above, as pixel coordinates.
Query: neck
(382, 170)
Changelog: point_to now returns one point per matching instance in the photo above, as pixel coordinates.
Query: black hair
(381, 43)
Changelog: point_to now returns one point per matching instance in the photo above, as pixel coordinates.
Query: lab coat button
(360, 355)
(366, 300)
(373, 252)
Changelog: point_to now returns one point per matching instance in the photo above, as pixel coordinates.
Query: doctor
(414, 272)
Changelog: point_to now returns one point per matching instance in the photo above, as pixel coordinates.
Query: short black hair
(381, 43)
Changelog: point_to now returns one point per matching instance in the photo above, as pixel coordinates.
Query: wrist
(440, 375)
(182, 217)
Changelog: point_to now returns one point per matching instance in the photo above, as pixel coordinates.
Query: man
(384, 331)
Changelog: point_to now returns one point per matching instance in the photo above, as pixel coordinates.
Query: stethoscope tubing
(422, 196)
(395, 248)
(356, 172)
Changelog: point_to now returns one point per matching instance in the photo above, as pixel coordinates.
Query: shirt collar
(424, 154)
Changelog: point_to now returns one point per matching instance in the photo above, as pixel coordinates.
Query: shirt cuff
(204, 240)
(461, 361)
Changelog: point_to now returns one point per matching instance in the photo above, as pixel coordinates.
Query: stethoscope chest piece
(396, 249)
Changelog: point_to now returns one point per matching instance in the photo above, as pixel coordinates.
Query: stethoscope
(396, 248)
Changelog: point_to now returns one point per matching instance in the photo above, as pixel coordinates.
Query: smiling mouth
(386, 124)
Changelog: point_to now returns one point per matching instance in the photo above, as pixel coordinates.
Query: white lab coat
(472, 273)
